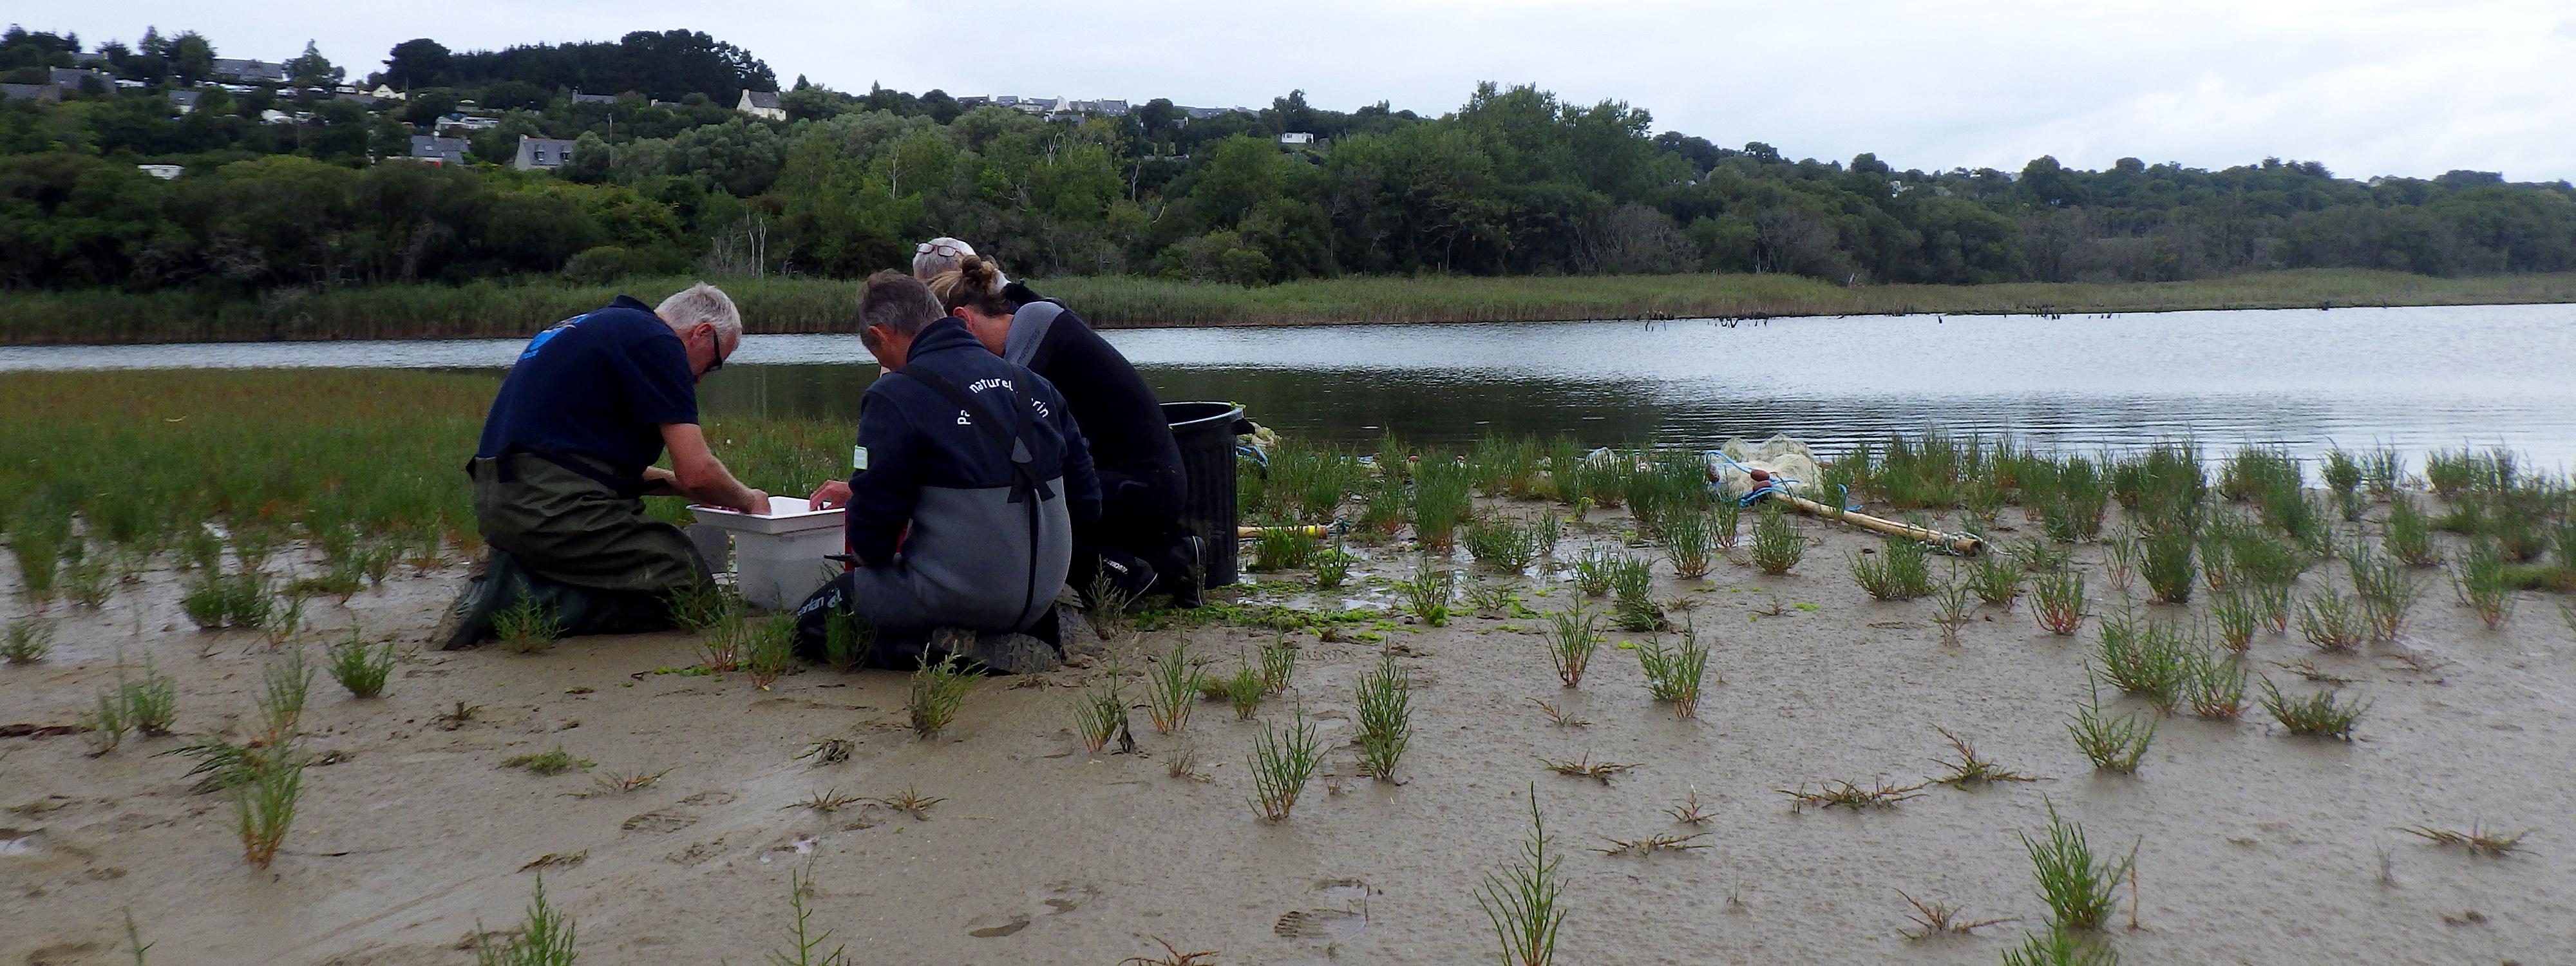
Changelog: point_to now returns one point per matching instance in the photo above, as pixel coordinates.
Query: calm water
(2410, 378)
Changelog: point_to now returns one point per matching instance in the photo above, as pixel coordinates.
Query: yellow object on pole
(1963, 543)
(1254, 533)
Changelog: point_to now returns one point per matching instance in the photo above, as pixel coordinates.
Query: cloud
(2385, 87)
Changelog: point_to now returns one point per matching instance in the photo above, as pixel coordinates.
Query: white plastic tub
(778, 559)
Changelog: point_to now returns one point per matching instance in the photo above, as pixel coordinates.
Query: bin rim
(1221, 412)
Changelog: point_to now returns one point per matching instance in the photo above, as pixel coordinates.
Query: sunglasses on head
(941, 248)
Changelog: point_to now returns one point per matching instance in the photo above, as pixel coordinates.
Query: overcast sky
(2408, 87)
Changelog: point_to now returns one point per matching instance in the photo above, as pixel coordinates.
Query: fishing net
(1790, 465)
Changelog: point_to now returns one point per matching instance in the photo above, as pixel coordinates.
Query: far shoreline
(812, 306)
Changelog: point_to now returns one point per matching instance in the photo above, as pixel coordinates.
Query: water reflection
(2409, 378)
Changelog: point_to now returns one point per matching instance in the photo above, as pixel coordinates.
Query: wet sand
(2252, 846)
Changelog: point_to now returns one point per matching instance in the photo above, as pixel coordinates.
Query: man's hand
(832, 495)
(698, 474)
(757, 505)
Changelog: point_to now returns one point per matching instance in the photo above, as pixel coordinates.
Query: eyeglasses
(720, 359)
(939, 248)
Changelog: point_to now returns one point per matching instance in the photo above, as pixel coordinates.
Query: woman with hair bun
(1138, 540)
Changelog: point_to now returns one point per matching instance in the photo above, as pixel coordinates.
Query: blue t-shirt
(598, 385)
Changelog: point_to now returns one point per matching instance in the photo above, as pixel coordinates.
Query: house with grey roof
(762, 104)
(76, 80)
(433, 149)
(541, 154)
(581, 98)
(31, 92)
(249, 71)
(184, 102)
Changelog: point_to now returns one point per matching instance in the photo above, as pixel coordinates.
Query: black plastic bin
(1206, 432)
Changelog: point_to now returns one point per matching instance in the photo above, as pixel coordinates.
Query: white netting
(1786, 460)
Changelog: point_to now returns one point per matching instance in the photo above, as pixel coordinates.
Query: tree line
(1515, 181)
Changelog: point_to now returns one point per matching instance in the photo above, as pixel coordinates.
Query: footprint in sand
(1323, 928)
(658, 822)
(995, 927)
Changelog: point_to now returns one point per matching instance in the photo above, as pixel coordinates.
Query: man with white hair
(568, 452)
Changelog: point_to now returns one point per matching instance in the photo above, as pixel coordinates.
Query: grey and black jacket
(975, 466)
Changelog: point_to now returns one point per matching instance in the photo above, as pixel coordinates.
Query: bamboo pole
(1965, 544)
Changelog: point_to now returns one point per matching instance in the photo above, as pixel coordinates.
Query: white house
(165, 172)
(387, 92)
(275, 116)
(762, 104)
(544, 154)
(1297, 138)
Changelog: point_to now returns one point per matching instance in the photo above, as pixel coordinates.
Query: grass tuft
(1281, 764)
(546, 938)
(1632, 602)
(2113, 745)
(1996, 579)
(1385, 718)
(2057, 601)
(937, 691)
(29, 639)
(1971, 768)
(1585, 767)
(1777, 543)
(1429, 592)
(527, 626)
(2318, 715)
(2078, 885)
(1843, 794)
(1523, 899)
(359, 668)
(552, 762)
(1172, 688)
(1675, 674)
(2477, 840)
(1936, 919)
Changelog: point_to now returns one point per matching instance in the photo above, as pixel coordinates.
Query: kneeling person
(567, 453)
(968, 482)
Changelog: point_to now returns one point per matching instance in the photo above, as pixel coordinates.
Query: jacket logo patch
(980, 385)
(859, 458)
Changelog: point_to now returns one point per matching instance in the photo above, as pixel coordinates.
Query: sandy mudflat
(2252, 846)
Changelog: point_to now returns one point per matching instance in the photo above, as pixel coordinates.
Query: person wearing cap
(1139, 543)
(567, 453)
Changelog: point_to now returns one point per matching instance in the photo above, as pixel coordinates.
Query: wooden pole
(1965, 544)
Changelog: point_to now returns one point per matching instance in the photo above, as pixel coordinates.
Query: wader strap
(626, 489)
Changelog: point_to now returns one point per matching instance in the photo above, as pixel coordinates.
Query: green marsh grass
(2342, 474)
(1385, 712)
(1996, 579)
(2079, 886)
(1428, 593)
(1383, 507)
(848, 638)
(1777, 542)
(1572, 635)
(1690, 540)
(1281, 764)
(1333, 566)
(528, 626)
(2254, 472)
(1100, 715)
(1441, 500)
(2481, 583)
(545, 938)
(2168, 567)
(804, 943)
(2038, 556)
(1675, 674)
(2057, 601)
(216, 601)
(1172, 688)
(1632, 602)
(1243, 691)
(2235, 617)
(1282, 548)
(2114, 745)
(1525, 899)
(2319, 715)
(284, 685)
(2147, 658)
(2214, 687)
(2408, 535)
(104, 723)
(150, 702)
(2061, 947)
(27, 641)
(1502, 543)
(938, 690)
(553, 761)
(1900, 571)
(701, 607)
(769, 647)
(1972, 768)
(264, 803)
(1591, 570)
(2333, 623)
(2386, 588)
(1310, 483)
(2120, 556)
(1953, 606)
(1278, 664)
